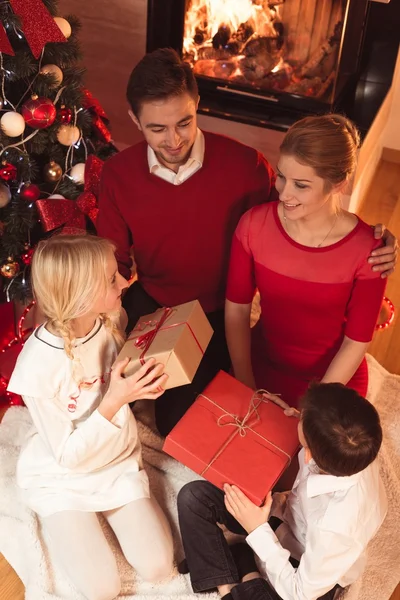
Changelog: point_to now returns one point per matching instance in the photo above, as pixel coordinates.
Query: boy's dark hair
(159, 75)
(342, 429)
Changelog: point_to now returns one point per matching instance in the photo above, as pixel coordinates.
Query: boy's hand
(384, 259)
(249, 515)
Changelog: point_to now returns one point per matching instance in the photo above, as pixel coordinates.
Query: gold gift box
(176, 337)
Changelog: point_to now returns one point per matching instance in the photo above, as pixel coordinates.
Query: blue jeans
(210, 562)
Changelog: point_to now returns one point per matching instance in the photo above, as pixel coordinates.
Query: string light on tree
(39, 112)
(389, 308)
(12, 123)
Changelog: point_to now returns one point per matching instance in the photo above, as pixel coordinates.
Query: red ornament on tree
(8, 172)
(30, 192)
(27, 256)
(39, 112)
(65, 115)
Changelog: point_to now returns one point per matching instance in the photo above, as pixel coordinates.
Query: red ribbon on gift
(55, 212)
(99, 117)
(37, 24)
(145, 340)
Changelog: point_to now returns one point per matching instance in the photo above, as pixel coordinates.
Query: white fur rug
(24, 545)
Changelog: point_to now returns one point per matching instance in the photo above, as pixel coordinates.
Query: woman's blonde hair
(327, 143)
(68, 275)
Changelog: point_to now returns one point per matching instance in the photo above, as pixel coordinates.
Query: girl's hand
(146, 384)
(249, 515)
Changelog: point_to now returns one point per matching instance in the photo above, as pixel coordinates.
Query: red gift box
(232, 434)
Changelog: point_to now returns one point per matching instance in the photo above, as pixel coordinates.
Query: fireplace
(265, 62)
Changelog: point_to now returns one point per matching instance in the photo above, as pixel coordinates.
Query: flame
(208, 15)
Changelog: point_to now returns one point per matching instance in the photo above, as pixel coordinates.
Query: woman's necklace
(325, 238)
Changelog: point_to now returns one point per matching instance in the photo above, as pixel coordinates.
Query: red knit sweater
(181, 234)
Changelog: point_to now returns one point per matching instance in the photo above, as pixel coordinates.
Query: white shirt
(327, 524)
(192, 165)
(74, 458)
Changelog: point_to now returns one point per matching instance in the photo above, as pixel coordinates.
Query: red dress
(310, 299)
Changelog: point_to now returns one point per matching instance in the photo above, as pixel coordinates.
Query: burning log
(326, 85)
(305, 87)
(210, 53)
(222, 37)
(223, 69)
(260, 46)
(325, 50)
(257, 67)
(244, 32)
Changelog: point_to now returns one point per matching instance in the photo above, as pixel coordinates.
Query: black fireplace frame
(276, 110)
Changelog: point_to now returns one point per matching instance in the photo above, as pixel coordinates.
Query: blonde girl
(83, 455)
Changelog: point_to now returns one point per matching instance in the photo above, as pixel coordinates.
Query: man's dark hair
(160, 74)
(342, 429)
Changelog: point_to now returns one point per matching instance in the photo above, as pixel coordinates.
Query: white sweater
(73, 458)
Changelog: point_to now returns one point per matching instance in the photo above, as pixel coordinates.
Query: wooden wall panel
(113, 39)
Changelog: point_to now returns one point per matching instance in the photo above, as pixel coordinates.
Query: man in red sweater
(177, 198)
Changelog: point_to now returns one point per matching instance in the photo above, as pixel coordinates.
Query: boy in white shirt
(322, 527)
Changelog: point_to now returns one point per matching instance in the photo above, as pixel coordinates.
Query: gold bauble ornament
(64, 26)
(68, 135)
(5, 195)
(53, 70)
(10, 268)
(12, 123)
(52, 171)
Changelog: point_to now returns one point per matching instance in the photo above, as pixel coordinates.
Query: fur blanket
(24, 544)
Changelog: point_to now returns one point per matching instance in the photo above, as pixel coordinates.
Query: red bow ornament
(37, 24)
(70, 214)
(99, 117)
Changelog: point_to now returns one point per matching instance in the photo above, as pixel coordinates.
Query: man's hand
(384, 259)
(248, 514)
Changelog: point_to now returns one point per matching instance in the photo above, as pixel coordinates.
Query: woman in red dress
(320, 299)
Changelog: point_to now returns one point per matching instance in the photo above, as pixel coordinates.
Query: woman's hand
(146, 384)
(289, 411)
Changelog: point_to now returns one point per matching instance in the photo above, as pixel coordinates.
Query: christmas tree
(53, 136)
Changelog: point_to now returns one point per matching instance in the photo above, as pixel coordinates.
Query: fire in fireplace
(266, 44)
(264, 56)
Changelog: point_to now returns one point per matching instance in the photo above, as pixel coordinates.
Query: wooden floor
(382, 204)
